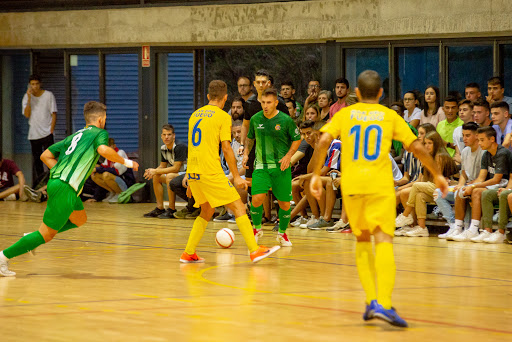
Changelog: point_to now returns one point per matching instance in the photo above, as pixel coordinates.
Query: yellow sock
(196, 234)
(386, 270)
(246, 229)
(366, 269)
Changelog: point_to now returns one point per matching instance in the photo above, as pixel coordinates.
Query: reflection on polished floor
(118, 278)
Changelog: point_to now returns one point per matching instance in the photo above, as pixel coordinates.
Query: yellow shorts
(369, 211)
(215, 189)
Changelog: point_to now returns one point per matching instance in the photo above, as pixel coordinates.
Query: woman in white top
(433, 112)
(412, 113)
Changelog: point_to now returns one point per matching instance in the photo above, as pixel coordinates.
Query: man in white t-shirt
(40, 108)
(466, 115)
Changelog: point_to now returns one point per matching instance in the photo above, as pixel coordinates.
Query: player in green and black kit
(77, 157)
(277, 139)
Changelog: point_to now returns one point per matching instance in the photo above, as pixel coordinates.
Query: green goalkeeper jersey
(274, 138)
(77, 156)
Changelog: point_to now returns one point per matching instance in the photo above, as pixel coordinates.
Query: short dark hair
(466, 102)
(168, 127)
(482, 103)
(496, 80)
(488, 131)
(93, 110)
(34, 77)
(262, 72)
(369, 84)
(294, 104)
(398, 104)
(450, 98)
(473, 85)
(270, 92)
(288, 83)
(238, 99)
(243, 76)
(318, 125)
(470, 126)
(307, 124)
(217, 89)
(342, 80)
(500, 104)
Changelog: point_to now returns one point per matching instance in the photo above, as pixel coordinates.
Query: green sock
(24, 245)
(256, 215)
(69, 225)
(284, 219)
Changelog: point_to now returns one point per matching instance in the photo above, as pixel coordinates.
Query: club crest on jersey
(278, 127)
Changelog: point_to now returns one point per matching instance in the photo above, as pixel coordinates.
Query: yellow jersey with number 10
(366, 131)
(207, 128)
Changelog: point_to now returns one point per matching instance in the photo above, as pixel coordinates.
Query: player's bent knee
(47, 232)
(78, 217)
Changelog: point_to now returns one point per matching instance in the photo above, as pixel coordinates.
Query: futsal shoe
(389, 316)
(262, 252)
(190, 258)
(258, 233)
(155, 212)
(418, 232)
(311, 221)
(338, 226)
(402, 220)
(495, 237)
(369, 313)
(464, 236)
(282, 238)
(450, 231)
(4, 269)
(480, 238)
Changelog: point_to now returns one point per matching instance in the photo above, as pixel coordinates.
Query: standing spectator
(433, 112)
(481, 113)
(9, 191)
(244, 87)
(412, 114)
(472, 92)
(237, 108)
(292, 109)
(446, 127)
(341, 87)
(313, 90)
(113, 177)
(496, 91)
(288, 92)
(40, 108)
(466, 115)
(324, 102)
(173, 158)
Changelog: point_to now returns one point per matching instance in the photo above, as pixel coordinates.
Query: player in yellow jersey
(366, 130)
(210, 126)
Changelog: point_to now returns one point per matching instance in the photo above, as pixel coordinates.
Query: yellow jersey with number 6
(207, 128)
(366, 131)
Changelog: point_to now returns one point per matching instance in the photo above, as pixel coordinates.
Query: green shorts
(279, 181)
(62, 201)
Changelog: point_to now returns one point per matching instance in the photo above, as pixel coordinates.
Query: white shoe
(315, 222)
(465, 236)
(4, 269)
(109, 196)
(402, 220)
(300, 220)
(450, 231)
(113, 199)
(339, 225)
(480, 238)
(495, 237)
(283, 240)
(11, 197)
(402, 231)
(418, 231)
(456, 231)
(312, 220)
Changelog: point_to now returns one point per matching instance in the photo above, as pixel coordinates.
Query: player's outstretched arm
(111, 154)
(229, 155)
(48, 158)
(426, 159)
(317, 161)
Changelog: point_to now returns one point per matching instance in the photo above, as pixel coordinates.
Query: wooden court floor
(118, 278)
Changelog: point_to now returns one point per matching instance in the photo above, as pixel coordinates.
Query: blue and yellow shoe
(389, 316)
(370, 310)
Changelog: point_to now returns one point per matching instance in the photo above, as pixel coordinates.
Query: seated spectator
(433, 113)
(481, 111)
(312, 113)
(8, 190)
(471, 159)
(472, 92)
(502, 123)
(341, 87)
(396, 146)
(324, 102)
(237, 108)
(173, 159)
(412, 113)
(446, 127)
(466, 115)
(494, 173)
(496, 91)
(113, 177)
(179, 186)
(422, 191)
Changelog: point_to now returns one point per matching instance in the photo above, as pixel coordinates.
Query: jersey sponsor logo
(361, 115)
(260, 126)
(278, 127)
(206, 113)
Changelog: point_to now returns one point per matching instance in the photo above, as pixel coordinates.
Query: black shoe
(168, 214)
(223, 218)
(276, 227)
(155, 212)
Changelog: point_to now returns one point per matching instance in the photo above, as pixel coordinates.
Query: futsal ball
(225, 238)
